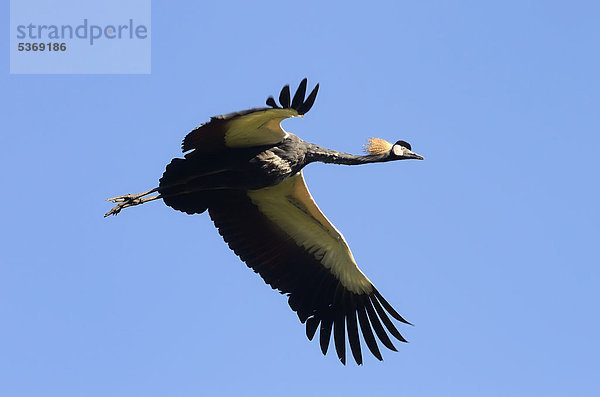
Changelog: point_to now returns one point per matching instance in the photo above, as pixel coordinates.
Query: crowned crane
(247, 172)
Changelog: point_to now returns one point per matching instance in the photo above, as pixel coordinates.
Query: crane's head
(400, 150)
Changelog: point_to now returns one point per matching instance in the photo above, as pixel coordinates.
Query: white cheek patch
(398, 150)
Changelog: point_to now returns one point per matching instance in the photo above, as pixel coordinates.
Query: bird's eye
(405, 144)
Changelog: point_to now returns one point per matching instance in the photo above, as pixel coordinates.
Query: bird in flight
(247, 172)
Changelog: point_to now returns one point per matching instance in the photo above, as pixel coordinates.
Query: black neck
(323, 155)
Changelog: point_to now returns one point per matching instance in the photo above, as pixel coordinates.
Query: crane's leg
(130, 200)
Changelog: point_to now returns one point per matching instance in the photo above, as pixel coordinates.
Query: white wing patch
(272, 162)
(258, 128)
(292, 208)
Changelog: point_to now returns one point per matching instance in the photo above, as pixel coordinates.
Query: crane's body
(247, 172)
(243, 168)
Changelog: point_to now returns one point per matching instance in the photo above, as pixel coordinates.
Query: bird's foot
(129, 200)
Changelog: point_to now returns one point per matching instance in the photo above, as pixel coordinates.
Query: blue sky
(489, 246)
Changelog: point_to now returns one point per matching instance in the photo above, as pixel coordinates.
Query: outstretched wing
(281, 234)
(253, 127)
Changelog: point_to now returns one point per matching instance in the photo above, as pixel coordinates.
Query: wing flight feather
(281, 234)
(249, 128)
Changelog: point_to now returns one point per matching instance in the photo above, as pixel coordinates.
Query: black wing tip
(367, 332)
(298, 102)
(309, 102)
(377, 326)
(284, 97)
(299, 95)
(271, 102)
(312, 324)
(389, 308)
(364, 315)
(325, 334)
(385, 319)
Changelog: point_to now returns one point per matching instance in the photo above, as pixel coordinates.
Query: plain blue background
(489, 246)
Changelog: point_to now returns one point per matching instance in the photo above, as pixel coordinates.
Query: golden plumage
(378, 146)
